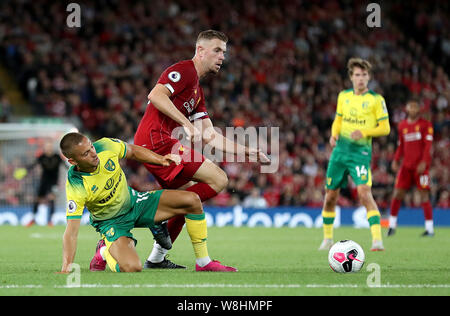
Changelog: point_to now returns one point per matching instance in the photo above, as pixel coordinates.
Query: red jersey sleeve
(427, 135)
(399, 152)
(178, 77)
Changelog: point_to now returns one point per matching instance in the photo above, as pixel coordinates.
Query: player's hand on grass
(170, 158)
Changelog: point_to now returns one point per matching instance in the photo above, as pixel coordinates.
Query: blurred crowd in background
(285, 65)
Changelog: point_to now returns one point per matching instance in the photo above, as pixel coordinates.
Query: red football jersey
(414, 142)
(155, 128)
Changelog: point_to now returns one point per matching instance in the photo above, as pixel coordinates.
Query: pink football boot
(97, 263)
(215, 266)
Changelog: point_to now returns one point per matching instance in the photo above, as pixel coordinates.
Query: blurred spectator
(255, 200)
(5, 108)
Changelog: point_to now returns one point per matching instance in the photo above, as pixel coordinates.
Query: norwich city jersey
(359, 112)
(104, 192)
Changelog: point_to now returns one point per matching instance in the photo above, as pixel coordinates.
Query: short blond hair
(360, 63)
(212, 34)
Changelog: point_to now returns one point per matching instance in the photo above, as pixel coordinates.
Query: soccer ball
(346, 256)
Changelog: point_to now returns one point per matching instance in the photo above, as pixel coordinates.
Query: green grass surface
(271, 262)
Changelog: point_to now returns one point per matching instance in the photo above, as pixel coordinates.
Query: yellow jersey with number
(103, 192)
(359, 112)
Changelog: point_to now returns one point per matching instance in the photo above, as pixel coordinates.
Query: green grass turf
(271, 262)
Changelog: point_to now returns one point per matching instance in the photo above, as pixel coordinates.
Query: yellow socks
(112, 263)
(198, 232)
(374, 217)
(328, 221)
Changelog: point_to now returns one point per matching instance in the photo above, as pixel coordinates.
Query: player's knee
(134, 266)
(193, 202)
(331, 199)
(365, 195)
(424, 196)
(220, 181)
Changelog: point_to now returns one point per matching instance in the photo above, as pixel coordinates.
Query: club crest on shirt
(174, 76)
(110, 165)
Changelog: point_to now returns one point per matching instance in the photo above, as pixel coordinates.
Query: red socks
(395, 207)
(427, 210)
(175, 224)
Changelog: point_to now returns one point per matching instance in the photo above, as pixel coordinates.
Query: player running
(415, 138)
(360, 115)
(177, 100)
(96, 181)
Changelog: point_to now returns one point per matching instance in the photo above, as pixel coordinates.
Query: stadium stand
(285, 67)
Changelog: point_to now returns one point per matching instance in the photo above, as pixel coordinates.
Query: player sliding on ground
(360, 115)
(96, 181)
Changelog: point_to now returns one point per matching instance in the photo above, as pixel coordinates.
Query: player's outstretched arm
(70, 244)
(218, 141)
(145, 155)
(383, 128)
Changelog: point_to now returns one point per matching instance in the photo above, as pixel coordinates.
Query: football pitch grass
(271, 262)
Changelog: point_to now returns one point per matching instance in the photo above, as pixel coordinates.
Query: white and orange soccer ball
(346, 256)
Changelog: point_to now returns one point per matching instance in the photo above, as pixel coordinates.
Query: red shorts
(173, 176)
(407, 177)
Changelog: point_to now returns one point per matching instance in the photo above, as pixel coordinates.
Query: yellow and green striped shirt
(103, 192)
(359, 112)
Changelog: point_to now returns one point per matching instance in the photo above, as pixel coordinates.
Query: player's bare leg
(212, 175)
(397, 198)
(121, 256)
(207, 182)
(373, 216)
(174, 203)
(328, 216)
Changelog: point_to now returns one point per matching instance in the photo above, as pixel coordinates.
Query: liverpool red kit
(155, 129)
(414, 146)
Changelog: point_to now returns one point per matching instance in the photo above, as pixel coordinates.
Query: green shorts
(141, 214)
(341, 165)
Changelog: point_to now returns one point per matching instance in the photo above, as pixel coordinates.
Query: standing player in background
(415, 138)
(360, 115)
(49, 162)
(177, 100)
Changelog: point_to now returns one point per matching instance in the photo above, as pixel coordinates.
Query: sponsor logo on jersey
(106, 199)
(410, 137)
(354, 121)
(109, 184)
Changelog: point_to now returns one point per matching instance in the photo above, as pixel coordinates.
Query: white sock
(102, 252)
(429, 227)
(158, 253)
(392, 221)
(203, 261)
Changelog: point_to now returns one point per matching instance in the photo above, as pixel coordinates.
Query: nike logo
(351, 257)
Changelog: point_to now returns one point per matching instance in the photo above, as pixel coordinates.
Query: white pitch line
(208, 285)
